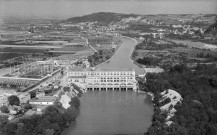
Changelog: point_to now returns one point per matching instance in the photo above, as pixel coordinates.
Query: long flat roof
(77, 76)
(113, 69)
(79, 69)
(107, 69)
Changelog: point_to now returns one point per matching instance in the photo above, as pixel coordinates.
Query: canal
(114, 112)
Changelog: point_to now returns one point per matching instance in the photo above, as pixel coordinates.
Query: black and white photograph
(108, 67)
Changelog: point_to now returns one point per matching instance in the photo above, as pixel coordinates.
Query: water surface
(112, 112)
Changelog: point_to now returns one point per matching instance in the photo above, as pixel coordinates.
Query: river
(114, 112)
(121, 58)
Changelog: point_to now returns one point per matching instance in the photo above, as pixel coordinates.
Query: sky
(70, 8)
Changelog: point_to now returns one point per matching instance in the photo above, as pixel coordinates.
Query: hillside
(212, 29)
(185, 101)
(103, 18)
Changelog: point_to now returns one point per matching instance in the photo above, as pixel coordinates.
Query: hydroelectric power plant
(107, 79)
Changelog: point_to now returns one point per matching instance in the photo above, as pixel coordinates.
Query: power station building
(103, 79)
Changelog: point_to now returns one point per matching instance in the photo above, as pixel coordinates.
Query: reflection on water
(112, 112)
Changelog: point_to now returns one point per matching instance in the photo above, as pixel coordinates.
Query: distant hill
(103, 18)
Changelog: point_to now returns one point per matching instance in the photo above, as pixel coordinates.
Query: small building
(45, 100)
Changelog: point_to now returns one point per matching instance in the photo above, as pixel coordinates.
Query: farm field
(102, 46)
(192, 44)
(5, 56)
(22, 50)
(192, 52)
(74, 48)
(165, 54)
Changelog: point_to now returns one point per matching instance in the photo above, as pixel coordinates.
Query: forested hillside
(197, 114)
(103, 18)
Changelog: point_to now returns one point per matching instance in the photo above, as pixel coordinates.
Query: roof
(83, 76)
(44, 99)
(113, 69)
(102, 69)
(79, 69)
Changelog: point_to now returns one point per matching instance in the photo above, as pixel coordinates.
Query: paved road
(121, 59)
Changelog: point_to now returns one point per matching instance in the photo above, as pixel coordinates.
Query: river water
(112, 112)
(121, 59)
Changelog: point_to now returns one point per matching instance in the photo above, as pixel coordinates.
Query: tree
(28, 106)
(100, 52)
(213, 81)
(42, 125)
(46, 92)
(10, 128)
(75, 102)
(3, 121)
(62, 72)
(107, 57)
(70, 114)
(32, 94)
(4, 109)
(77, 88)
(147, 38)
(66, 89)
(14, 100)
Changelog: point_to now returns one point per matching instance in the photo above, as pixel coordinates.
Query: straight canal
(114, 112)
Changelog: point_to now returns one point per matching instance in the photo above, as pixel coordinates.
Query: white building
(103, 79)
(46, 100)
